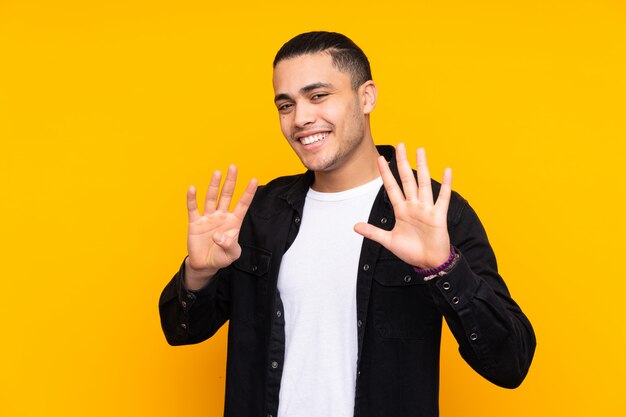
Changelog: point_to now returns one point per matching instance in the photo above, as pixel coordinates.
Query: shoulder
(278, 187)
(278, 193)
(282, 183)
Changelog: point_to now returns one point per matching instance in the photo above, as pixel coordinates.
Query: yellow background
(110, 109)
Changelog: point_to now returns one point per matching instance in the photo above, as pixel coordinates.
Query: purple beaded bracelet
(428, 272)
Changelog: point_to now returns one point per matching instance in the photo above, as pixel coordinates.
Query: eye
(318, 96)
(284, 107)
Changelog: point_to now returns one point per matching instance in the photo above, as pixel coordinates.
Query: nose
(304, 114)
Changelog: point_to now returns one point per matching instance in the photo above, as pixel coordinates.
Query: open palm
(212, 240)
(420, 234)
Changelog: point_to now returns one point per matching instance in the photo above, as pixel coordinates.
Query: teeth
(313, 138)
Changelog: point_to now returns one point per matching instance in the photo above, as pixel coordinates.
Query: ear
(368, 94)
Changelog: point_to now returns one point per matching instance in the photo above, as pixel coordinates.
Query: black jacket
(399, 315)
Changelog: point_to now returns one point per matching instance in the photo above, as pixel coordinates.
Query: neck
(358, 170)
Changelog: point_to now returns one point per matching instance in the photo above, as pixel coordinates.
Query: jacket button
(473, 337)
(445, 285)
(184, 304)
(183, 325)
(407, 279)
(278, 313)
(455, 300)
(359, 323)
(297, 220)
(366, 267)
(274, 364)
(383, 220)
(254, 268)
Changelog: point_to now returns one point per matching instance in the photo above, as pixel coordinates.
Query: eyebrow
(303, 90)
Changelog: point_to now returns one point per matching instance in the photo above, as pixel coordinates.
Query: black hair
(346, 55)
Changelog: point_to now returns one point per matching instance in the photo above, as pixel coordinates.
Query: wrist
(443, 268)
(197, 278)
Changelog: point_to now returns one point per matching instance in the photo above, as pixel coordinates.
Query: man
(335, 281)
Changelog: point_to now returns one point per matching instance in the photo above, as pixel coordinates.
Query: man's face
(321, 116)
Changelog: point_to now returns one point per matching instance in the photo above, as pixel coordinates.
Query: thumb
(226, 241)
(373, 233)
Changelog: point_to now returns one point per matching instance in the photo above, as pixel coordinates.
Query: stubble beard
(348, 145)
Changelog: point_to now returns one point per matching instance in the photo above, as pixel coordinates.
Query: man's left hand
(420, 234)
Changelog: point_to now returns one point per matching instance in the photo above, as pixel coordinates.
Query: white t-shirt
(317, 284)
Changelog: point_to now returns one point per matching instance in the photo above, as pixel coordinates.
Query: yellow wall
(110, 109)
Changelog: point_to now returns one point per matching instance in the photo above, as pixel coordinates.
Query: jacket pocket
(250, 284)
(401, 302)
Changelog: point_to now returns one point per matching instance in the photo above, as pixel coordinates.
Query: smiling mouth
(307, 140)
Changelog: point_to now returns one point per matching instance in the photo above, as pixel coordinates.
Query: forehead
(292, 74)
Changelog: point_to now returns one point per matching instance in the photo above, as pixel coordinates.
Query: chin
(319, 166)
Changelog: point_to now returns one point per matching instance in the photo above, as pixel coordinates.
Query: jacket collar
(296, 193)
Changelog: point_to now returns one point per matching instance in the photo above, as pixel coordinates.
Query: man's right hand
(212, 240)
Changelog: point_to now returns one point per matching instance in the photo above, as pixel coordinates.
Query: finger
(226, 239)
(406, 173)
(228, 189)
(373, 233)
(234, 233)
(244, 202)
(210, 201)
(391, 186)
(425, 192)
(228, 243)
(192, 204)
(443, 200)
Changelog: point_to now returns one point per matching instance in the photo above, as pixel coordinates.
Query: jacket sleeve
(495, 337)
(189, 317)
